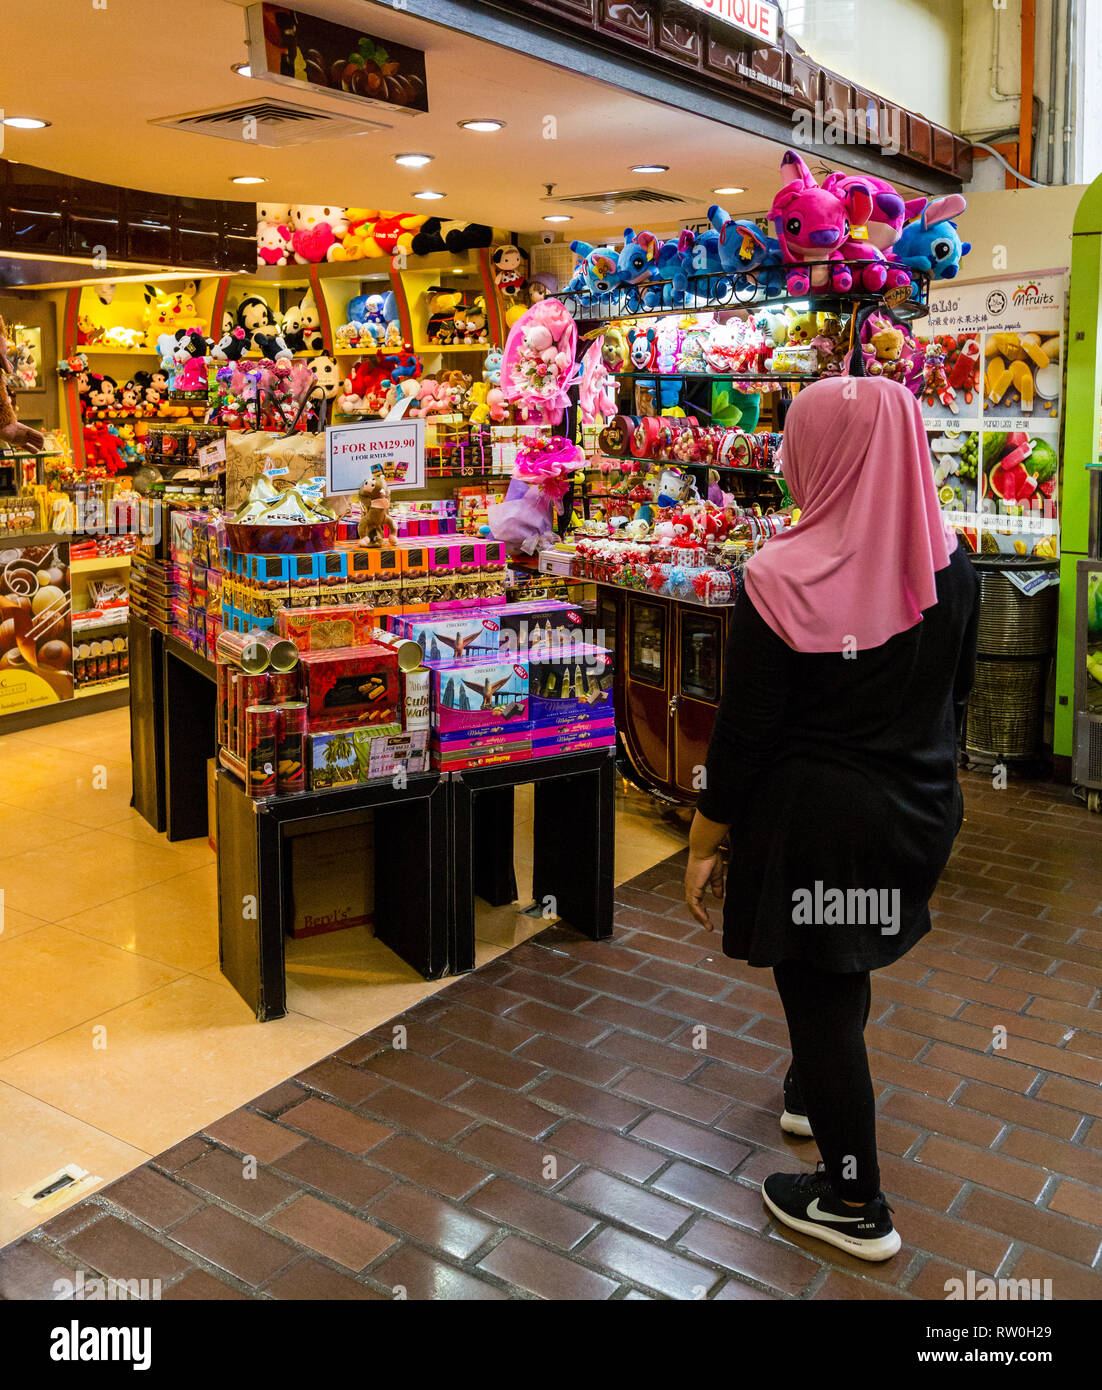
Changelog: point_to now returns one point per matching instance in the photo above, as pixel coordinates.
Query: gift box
(385, 755)
(468, 695)
(351, 685)
(332, 759)
(573, 688)
(477, 759)
(325, 629)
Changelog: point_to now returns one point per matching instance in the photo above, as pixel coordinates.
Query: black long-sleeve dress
(838, 774)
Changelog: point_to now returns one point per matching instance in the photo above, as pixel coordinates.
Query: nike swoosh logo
(816, 1214)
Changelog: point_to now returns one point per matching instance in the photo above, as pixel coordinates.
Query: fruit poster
(36, 636)
(991, 402)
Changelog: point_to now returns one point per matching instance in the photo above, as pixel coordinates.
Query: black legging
(826, 1016)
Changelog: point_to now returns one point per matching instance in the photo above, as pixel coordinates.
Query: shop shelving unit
(669, 652)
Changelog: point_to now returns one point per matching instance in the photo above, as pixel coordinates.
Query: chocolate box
(481, 695)
(349, 686)
(325, 629)
(570, 689)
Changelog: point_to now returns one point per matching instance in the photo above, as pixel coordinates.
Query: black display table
(574, 828)
(189, 701)
(147, 721)
(412, 876)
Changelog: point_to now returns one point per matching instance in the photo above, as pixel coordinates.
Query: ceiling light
(650, 168)
(25, 123)
(413, 161)
(248, 178)
(558, 217)
(482, 125)
(243, 69)
(731, 191)
(428, 194)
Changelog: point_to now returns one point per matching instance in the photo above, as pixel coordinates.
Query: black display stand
(574, 842)
(147, 721)
(413, 874)
(188, 699)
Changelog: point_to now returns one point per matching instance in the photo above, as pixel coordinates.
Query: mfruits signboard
(756, 19)
(992, 408)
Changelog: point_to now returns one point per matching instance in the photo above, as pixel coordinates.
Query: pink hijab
(860, 565)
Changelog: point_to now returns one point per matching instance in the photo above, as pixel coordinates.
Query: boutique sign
(755, 19)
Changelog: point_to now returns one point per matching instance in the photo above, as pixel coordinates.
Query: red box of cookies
(350, 686)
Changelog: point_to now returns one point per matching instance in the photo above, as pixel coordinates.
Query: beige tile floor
(119, 1035)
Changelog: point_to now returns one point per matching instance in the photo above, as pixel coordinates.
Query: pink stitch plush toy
(812, 226)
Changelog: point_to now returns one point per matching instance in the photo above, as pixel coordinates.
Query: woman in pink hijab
(832, 768)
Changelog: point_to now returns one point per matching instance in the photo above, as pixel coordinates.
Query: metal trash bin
(1005, 718)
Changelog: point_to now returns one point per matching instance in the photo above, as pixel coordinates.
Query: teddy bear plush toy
(11, 431)
(374, 524)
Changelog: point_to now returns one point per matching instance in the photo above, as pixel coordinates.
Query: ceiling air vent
(274, 124)
(619, 198)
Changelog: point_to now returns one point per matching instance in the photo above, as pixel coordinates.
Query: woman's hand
(702, 872)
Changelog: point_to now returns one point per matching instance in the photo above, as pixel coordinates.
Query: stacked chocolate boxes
(411, 577)
(512, 683)
(177, 587)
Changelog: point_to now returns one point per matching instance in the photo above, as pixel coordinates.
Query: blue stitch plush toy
(931, 241)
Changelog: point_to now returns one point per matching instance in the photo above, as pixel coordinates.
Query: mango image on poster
(1021, 369)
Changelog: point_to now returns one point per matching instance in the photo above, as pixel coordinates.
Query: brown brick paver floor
(555, 1129)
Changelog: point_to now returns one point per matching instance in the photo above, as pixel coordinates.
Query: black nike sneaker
(794, 1120)
(806, 1202)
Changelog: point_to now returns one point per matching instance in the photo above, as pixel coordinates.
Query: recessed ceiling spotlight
(650, 168)
(242, 69)
(248, 178)
(413, 161)
(25, 123)
(428, 194)
(558, 217)
(482, 125)
(731, 191)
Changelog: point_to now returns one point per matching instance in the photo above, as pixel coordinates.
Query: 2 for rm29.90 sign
(395, 448)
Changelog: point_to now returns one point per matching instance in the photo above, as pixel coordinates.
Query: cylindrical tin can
(233, 679)
(415, 699)
(291, 751)
(282, 652)
(222, 704)
(283, 686)
(260, 751)
(243, 650)
(410, 654)
(251, 690)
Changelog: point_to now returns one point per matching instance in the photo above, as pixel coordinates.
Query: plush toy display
(374, 524)
(273, 244)
(255, 316)
(510, 265)
(539, 367)
(746, 250)
(442, 306)
(315, 231)
(393, 233)
(456, 237)
(812, 225)
(167, 312)
(931, 241)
